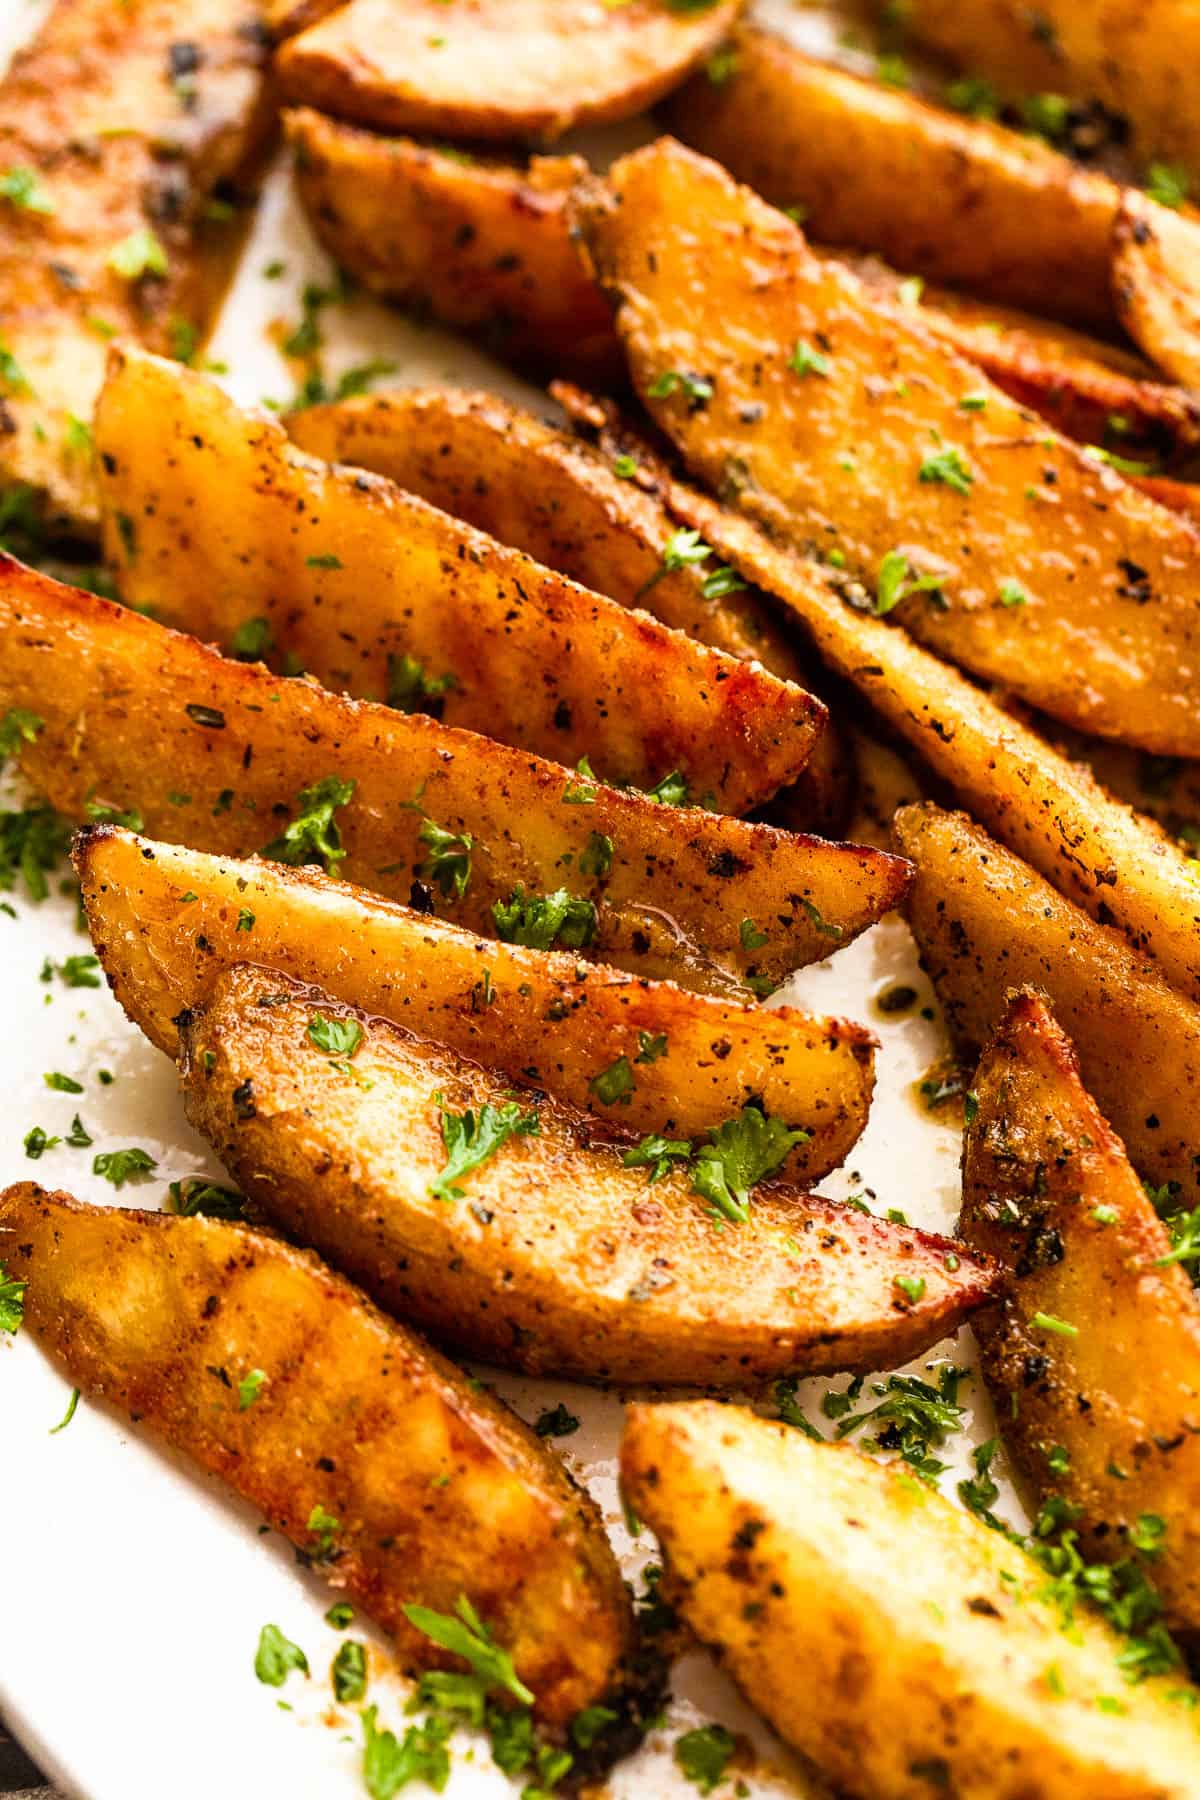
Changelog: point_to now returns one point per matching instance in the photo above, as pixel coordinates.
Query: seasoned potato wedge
(956, 199)
(631, 1282)
(497, 68)
(562, 500)
(887, 1634)
(1138, 60)
(166, 921)
(1156, 283)
(357, 581)
(434, 1489)
(1048, 1190)
(1041, 803)
(986, 923)
(1181, 496)
(217, 754)
(483, 245)
(121, 123)
(835, 420)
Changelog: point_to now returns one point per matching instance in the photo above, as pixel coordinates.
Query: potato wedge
(166, 921)
(1048, 1190)
(1052, 575)
(119, 127)
(1137, 60)
(216, 753)
(630, 1283)
(888, 1635)
(955, 199)
(482, 245)
(986, 923)
(497, 68)
(358, 581)
(1040, 802)
(1181, 496)
(560, 499)
(162, 1317)
(1156, 284)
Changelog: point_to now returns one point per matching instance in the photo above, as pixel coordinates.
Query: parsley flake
(540, 921)
(471, 1137)
(313, 835)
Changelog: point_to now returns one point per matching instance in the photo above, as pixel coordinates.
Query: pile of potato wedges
(451, 783)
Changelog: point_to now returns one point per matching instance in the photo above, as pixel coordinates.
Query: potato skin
(480, 245)
(114, 692)
(630, 1283)
(497, 69)
(1039, 801)
(550, 1021)
(951, 198)
(986, 923)
(869, 1621)
(161, 1317)
(1156, 284)
(350, 575)
(1123, 1395)
(93, 107)
(1105, 635)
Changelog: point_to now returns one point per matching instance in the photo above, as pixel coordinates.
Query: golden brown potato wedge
(483, 245)
(215, 753)
(1105, 1409)
(631, 1282)
(1156, 284)
(1138, 60)
(836, 420)
(123, 133)
(887, 1634)
(166, 921)
(1040, 802)
(497, 68)
(956, 199)
(593, 515)
(375, 592)
(986, 923)
(1181, 496)
(430, 1487)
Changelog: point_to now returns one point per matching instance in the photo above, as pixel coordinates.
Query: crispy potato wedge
(1054, 577)
(497, 68)
(1181, 496)
(162, 1317)
(956, 199)
(123, 123)
(885, 1633)
(166, 921)
(355, 580)
(1137, 60)
(216, 753)
(1040, 802)
(1156, 284)
(1048, 1190)
(630, 1283)
(986, 923)
(482, 245)
(561, 500)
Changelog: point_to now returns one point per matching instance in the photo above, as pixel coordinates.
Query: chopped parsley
(614, 1085)
(1168, 184)
(722, 581)
(313, 835)
(195, 1196)
(348, 1672)
(449, 861)
(697, 389)
(62, 1084)
(581, 793)
(540, 921)
(37, 1143)
(138, 255)
(328, 561)
(337, 1037)
(252, 641)
(740, 1153)
(657, 1154)
(672, 790)
(682, 550)
(323, 1526)
(471, 1137)
(912, 1417)
(651, 1045)
(18, 727)
(390, 1763)
(702, 1755)
(467, 1636)
(277, 1656)
(1043, 1321)
(340, 1615)
(897, 580)
(1013, 594)
(120, 1166)
(804, 360)
(21, 186)
(249, 1389)
(948, 467)
(410, 690)
(752, 938)
(32, 843)
(12, 1302)
(74, 971)
(556, 1422)
(911, 1286)
(72, 1403)
(596, 857)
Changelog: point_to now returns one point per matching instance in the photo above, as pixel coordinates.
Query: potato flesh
(114, 692)
(482, 245)
(873, 454)
(93, 108)
(1156, 281)
(871, 1622)
(436, 1489)
(547, 1020)
(1048, 1190)
(351, 575)
(1040, 803)
(632, 1282)
(507, 69)
(986, 924)
(951, 198)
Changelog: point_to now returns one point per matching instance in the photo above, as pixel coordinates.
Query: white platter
(134, 1590)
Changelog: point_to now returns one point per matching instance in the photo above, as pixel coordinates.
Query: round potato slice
(498, 69)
